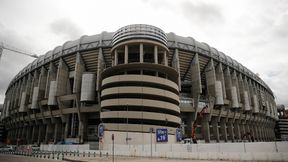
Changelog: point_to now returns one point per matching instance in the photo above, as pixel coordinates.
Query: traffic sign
(161, 135)
(101, 130)
(178, 134)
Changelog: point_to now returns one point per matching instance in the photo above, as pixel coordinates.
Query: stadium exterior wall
(134, 81)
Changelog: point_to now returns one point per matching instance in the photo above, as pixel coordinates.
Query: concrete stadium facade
(134, 81)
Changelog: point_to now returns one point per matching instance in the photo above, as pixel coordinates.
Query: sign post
(151, 131)
(112, 147)
(100, 132)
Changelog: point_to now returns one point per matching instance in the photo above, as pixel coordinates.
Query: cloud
(281, 27)
(66, 28)
(202, 12)
(11, 63)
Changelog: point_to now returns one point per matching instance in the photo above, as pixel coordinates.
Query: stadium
(134, 83)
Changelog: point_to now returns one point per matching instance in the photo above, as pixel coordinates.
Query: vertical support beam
(141, 53)
(176, 66)
(237, 129)
(62, 78)
(236, 85)
(205, 129)
(196, 90)
(223, 129)
(165, 58)
(79, 69)
(51, 76)
(230, 130)
(126, 55)
(156, 54)
(115, 57)
(220, 77)
(215, 128)
(210, 83)
(100, 69)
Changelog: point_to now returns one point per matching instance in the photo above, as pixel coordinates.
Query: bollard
(100, 154)
(94, 154)
(106, 154)
(61, 157)
(83, 153)
(89, 154)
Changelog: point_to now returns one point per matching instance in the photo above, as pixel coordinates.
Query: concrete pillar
(256, 136)
(260, 132)
(220, 77)
(223, 129)
(237, 129)
(242, 130)
(35, 132)
(176, 66)
(165, 58)
(126, 55)
(51, 76)
(49, 132)
(248, 130)
(115, 57)
(205, 129)
(156, 54)
(210, 78)
(79, 69)
(57, 132)
(190, 120)
(141, 52)
(215, 128)
(230, 130)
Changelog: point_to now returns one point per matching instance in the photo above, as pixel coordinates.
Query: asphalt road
(17, 158)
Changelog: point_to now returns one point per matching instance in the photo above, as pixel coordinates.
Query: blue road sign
(100, 130)
(161, 135)
(178, 135)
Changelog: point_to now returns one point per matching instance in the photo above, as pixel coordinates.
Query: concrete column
(67, 125)
(40, 134)
(141, 52)
(79, 69)
(215, 128)
(176, 66)
(237, 129)
(190, 120)
(205, 129)
(256, 136)
(156, 54)
(220, 77)
(223, 129)
(51, 76)
(242, 130)
(230, 130)
(210, 78)
(248, 130)
(126, 55)
(165, 58)
(115, 57)
(49, 132)
(57, 132)
(260, 132)
(34, 133)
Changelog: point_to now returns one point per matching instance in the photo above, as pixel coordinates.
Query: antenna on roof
(10, 48)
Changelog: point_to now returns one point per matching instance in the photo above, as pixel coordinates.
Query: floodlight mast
(6, 47)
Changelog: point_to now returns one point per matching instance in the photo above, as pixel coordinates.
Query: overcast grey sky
(254, 32)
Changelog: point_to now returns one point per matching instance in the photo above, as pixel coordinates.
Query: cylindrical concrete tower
(140, 91)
